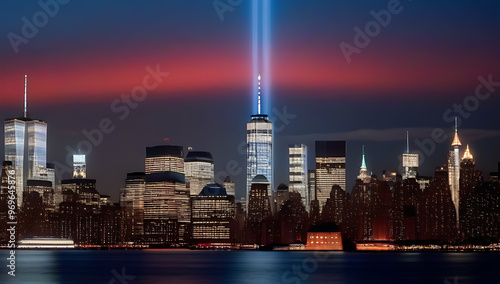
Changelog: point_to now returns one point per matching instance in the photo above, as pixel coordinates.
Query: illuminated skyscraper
(26, 136)
(410, 162)
(79, 166)
(213, 214)
(37, 149)
(15, 130)
(166, 199)
(330, 168)
(259, 147)
(454, 171)
(297, 159)
(363, 172)
(199, 167)
(165, 158)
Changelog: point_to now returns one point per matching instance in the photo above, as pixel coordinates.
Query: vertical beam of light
(25, 96)
(261, 52)
(255, 52)
(266, 52)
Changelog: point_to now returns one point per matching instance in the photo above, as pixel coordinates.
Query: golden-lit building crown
(467, 154)
(456, 141)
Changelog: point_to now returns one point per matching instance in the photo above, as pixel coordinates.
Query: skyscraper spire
(456, 141)
(25, 96)
(467, 154)
(363, 163)
(363, 173)
(407, 142)
(259, 100)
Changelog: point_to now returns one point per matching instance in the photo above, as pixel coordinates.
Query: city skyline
(348, 108)
(257, 141)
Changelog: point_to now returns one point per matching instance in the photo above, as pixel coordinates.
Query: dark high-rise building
(281, 196)
(336, 209)
(494, 175)
(483, 219)
(293, 220)
(259, 210)
(470, 179)
(405, 209)
(213, 217)
(132, 203)
(371, 208)
(38, 204)
(437, 213)
(330, 168)
(83, 191)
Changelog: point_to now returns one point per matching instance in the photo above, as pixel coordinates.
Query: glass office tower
(79, 166)
(15, 131)
(199, 167)
(330, 168)
(297, 159)
(37, 149)
(259, 150)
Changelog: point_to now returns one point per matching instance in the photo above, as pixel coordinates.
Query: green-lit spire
(363, 163)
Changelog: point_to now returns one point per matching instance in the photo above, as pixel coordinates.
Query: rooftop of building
(25, 119)
(213, 189)
(165, 151)
(199, 156)
(282, 187)
(260, 179)
(261, 118)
